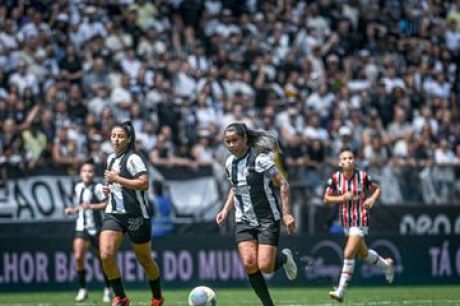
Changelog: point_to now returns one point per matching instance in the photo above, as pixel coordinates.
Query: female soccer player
(253, 175)
(90, 202)
(350, 189)
(128, 212)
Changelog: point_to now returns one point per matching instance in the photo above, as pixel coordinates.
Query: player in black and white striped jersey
(90, 202)
(128, 212)
(253, 174)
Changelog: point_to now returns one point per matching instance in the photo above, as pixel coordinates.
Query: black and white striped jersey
(254, 192)
(89, 219)
(123, 200)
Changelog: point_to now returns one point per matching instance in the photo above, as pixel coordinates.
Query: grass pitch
(385, 295)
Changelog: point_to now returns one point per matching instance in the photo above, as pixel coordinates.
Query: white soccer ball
(202, 296)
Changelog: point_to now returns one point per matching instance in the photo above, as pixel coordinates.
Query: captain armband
(271, 172)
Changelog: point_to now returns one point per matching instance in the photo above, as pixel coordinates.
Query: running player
(128, 212)
(356, 194)
(90, 202)
(252, 172)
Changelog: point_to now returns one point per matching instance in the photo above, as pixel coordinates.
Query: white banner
(43, 198)
(36, 198)
(198, 197)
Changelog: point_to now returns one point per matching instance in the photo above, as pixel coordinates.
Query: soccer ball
(202, 296)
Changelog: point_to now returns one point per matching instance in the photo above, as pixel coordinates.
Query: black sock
(155, 287)
(106, 280)
(259, 285)
(117, 287)
(81, 279)
(280, 260)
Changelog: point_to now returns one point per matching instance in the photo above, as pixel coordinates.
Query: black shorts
(136, 227)
(268, 232)
(92, 239)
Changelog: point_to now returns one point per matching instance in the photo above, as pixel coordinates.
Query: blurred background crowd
(381, 76)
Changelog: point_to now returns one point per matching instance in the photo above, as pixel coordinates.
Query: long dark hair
(262, 141)
(127, 126)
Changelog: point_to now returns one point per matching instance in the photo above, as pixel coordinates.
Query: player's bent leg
(144, 256)
(351, 249)
(266, 257)
(389, 270)
(248, 254)
(248, 250)
(110, 242)
(386, 264)
(80, 247)
(337, 295)
(290, 267)
(106, 295)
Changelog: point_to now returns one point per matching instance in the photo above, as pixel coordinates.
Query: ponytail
(262, 141)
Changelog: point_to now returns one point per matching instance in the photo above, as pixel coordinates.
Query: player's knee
(250, 264)
(79, 258)
(266, 267)
(362, 255)
(106, 256)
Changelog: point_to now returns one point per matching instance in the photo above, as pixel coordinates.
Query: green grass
(404, 295)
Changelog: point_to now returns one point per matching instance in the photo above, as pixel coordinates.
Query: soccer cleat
(290, 267)
(157, 302)
(389, 270)
(119, 301)
(337, 295)
(82, 295)
(106, 295)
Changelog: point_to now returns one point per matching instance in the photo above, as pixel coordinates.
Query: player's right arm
(101, 199)
(73, 210)
(331, 195)
(228, 207)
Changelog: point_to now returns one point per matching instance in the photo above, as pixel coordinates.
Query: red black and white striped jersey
(352, 213)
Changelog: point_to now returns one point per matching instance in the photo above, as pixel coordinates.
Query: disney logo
(315, 266)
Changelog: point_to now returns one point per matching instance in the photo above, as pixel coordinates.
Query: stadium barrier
(392, 219)
(46, 263)
(43, 195)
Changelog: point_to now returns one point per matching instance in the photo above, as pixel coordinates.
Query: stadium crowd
(381, 76)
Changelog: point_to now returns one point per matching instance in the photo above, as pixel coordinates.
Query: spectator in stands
(35, 144)
(23, 79)
(71, 66)
(335, 57)
(64, 150)
(202, 152)
(444, 175)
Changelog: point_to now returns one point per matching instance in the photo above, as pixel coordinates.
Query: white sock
(374, 259)
(346, 274)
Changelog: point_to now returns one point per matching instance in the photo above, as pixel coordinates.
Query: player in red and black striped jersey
(355, 193)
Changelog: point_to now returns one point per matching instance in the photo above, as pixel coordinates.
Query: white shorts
(356, 231)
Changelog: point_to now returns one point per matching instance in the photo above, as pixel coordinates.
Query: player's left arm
(370, 202)
(279, 180)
